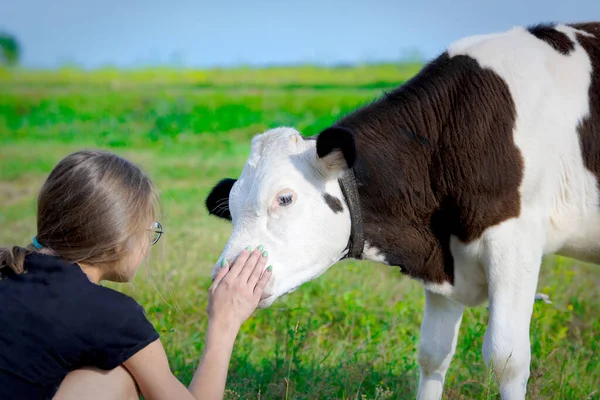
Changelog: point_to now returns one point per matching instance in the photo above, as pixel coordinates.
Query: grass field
(351, 334)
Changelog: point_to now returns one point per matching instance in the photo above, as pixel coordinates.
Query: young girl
(64, 336)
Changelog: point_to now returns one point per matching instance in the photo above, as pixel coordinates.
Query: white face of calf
(288, 199)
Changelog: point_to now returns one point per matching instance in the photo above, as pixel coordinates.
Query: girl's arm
(233, 296)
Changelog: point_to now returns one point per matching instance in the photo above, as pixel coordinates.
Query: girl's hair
(92, 209)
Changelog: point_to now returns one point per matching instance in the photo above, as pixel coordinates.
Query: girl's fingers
(250, 264)
(224, 268)
(239, 263)
(257, 271)
(262, 282)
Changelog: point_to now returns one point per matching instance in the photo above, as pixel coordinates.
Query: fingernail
(223, 262)
(270, 268)
(249, 248)
(261, 247)
(265, 254)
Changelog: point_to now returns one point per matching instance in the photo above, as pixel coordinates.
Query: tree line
(10, 50)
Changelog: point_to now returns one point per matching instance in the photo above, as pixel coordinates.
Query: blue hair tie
(36, 244)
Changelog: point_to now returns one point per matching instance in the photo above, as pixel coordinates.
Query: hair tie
(36, 244)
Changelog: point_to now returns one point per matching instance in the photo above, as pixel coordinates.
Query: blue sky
(132, 33)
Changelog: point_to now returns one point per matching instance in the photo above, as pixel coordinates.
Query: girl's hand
(235, 292)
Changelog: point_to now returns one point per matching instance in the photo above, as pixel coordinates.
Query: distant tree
(10, 50)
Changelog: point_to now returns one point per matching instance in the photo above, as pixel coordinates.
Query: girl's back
(54, 320)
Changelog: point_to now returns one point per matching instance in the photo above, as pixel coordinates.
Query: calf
(464, 177)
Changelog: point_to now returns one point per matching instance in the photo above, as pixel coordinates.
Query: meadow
(352, 333)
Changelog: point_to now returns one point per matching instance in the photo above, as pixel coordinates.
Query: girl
(65, 336)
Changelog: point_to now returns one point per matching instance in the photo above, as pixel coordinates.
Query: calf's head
(288, 199)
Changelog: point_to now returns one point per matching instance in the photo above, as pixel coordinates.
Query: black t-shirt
(53, 320)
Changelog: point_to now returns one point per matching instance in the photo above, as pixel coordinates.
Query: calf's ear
(336, 151)
(217, 201)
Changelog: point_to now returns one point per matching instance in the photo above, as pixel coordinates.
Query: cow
(464, 177)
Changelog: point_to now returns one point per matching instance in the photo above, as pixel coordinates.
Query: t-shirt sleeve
(117, 331)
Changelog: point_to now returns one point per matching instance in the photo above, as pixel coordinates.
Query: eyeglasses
(157, 231)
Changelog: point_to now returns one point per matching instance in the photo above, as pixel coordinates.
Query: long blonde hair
(91, 209)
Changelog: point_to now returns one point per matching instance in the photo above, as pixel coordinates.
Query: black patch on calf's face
(217, 201)
(333, 202)
(558, 40)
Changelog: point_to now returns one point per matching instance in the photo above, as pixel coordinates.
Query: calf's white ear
(336, 151)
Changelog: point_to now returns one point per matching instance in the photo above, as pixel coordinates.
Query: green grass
(351, 334)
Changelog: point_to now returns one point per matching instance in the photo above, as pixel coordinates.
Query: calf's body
(466, 176)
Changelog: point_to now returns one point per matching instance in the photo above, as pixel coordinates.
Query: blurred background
(203, 34)
(180, 88)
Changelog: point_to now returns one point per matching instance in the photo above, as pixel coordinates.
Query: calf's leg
(439, 332)
(513, 257)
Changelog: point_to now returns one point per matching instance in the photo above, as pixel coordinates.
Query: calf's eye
(285, 198)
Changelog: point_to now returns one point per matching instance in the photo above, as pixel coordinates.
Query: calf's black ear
(217, 201)
(336, 150)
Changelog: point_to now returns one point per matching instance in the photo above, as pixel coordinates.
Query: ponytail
(13, 258)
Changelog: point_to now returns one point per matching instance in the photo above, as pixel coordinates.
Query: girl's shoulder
(60, 281)
(115, 325)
